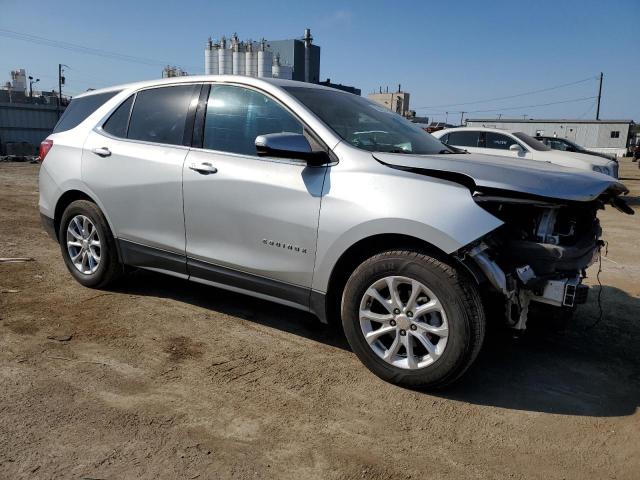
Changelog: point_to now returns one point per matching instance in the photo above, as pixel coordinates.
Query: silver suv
(323, 201)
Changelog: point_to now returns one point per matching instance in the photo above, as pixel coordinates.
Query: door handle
(102, 151)
(204, 168)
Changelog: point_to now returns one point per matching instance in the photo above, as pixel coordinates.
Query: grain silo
(238, 54)
(265, 60)
(211, 58)
(251, 60)
(225, 59)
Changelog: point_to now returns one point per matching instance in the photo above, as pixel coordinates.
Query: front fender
(360, 204)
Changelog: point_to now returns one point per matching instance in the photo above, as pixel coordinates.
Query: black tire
(109, 267)
(461, 302)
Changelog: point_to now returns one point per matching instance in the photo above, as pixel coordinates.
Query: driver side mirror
(516, 148)
(289, 145)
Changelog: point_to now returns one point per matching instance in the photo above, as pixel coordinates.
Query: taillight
(45, 146)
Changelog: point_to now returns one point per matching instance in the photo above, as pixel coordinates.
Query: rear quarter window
(80, 108)
(119, 120)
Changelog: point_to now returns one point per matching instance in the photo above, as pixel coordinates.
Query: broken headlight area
(540, 253)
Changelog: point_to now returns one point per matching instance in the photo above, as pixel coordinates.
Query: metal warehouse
(25, 124)
(605, 136)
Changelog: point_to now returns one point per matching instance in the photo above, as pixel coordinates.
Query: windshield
(531, 142)
(365, 124)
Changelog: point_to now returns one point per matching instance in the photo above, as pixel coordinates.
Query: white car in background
(493, 141)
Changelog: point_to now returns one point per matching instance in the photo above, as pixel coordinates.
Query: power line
(82, 49)
(537, 105)
(520, 106)
(532, 92)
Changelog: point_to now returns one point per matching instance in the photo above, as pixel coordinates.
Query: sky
(451, 56)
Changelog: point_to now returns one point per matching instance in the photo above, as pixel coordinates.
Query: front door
(499, 144)
(251, 222)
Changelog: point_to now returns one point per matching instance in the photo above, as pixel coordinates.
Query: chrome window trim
(99, 130)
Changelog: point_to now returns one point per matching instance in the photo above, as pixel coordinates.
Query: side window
(236, 116)
(463, 138)
(498, 141)
(159, 114)
(80, 108)
(119, 120)
(445, 139)
(557, 145)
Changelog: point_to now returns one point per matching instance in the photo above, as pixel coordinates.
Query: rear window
(80, 108)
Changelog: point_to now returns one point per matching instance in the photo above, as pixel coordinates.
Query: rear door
(133, 163)
(251, 222)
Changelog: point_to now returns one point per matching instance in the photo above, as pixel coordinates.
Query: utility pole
(31, 82)
(59, 89)
(60, 83)
(461, 117)
(599, 96)
(446, 117)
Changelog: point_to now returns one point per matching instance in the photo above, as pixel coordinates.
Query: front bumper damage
(526, 286)
(550, 232)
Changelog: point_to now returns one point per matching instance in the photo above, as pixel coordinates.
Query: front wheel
(412, 319)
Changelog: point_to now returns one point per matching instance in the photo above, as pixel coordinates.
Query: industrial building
(339, 86)
(23, 126)
(604, 136)
(296, 59)
(25, 120)
(170, 71)
(395, 101)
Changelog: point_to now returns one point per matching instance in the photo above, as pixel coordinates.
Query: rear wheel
(88, 246)
(413, 320)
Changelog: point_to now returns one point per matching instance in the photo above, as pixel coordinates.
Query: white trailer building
(605, 136)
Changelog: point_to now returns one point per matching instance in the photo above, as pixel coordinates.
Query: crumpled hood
(488, 172)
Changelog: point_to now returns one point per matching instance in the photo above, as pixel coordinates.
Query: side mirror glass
(289, 145)
(515, 148)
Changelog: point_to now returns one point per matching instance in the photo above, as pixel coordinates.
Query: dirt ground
(161, 378)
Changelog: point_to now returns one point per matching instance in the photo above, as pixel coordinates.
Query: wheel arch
(361, 250)
(70, 196)
(64, 201)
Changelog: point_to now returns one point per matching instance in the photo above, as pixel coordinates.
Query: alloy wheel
(403, 322)
(83, 244)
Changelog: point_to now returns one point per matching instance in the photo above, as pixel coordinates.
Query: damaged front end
(540, 253)
(550, 232)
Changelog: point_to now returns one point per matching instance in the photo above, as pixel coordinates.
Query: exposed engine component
(539, 255)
